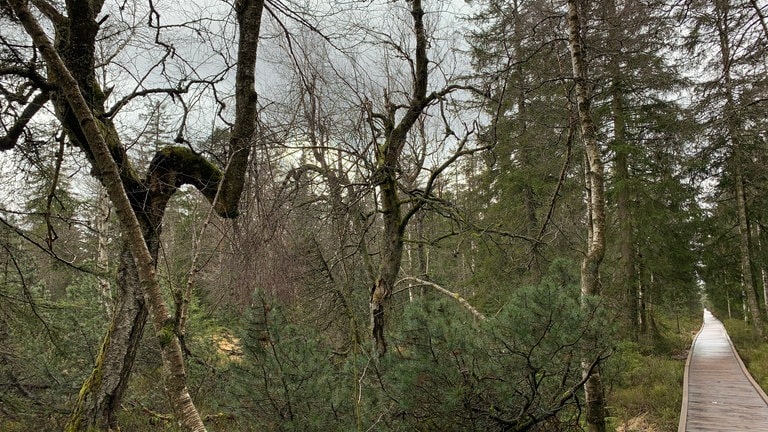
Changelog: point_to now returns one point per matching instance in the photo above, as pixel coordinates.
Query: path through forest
(719, 393)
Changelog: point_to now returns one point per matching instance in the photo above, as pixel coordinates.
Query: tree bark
(102, 254)
(621, 179)
(761, 247)
(387, 161)
(101, 394)
(745, 249)
(722, 11)
(140, 205)
(590, 266)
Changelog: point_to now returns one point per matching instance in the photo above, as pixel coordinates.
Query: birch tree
(390, 124)
(595, 192)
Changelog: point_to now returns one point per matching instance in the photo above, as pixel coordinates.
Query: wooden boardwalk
(719, 394)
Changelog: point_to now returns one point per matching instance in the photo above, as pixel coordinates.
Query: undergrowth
(751, 347)
(647, 377)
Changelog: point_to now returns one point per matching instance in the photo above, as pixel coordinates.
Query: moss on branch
(175, 166)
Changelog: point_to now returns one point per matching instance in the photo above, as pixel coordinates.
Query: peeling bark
(594, 179)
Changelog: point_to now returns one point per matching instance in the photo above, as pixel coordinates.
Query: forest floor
(638, 424)
(752, 349)
(647, 390)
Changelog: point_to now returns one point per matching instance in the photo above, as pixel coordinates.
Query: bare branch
(21, 233)
(13, 134)
(462, 301)
(50, 12)
(436, 173)
(126, 99)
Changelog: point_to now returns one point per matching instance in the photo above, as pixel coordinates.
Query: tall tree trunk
(101, 394)
(391, 258)
(621, 180)
(641, 318)
(722, 11)
(760, 236)
(524, 152)
(590, 266)
(387, 161)
(623, 211)
(745, 249)
(529, 200)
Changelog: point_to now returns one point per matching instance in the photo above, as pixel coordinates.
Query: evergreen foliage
(279, 333)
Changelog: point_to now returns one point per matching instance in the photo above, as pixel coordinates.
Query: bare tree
(390, 130)
(391, 160)
(66, 75)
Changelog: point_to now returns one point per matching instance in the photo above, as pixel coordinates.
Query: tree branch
(175, 166)
(462, 301)
(50, 12)
(435, 174)
(126, 99)
(11, 137)
(249, 14)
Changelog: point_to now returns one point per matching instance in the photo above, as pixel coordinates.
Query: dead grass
(638, 424)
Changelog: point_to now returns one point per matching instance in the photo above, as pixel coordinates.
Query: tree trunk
(590, 266)
(102, 392)
(102, 254)
(722, 11)
(387, 161)
(391, 259)
(529, 194)
(623, 210)
(745, 247)
(760, 234)
(621, 180)
(642, 315)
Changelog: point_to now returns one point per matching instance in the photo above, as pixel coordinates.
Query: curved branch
(175, 166)
(8, 141)
(476, 313)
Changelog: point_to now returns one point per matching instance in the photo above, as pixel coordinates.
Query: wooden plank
(719, 393)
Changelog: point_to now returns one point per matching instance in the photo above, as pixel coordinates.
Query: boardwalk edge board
(684, 410)
(744, 369)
